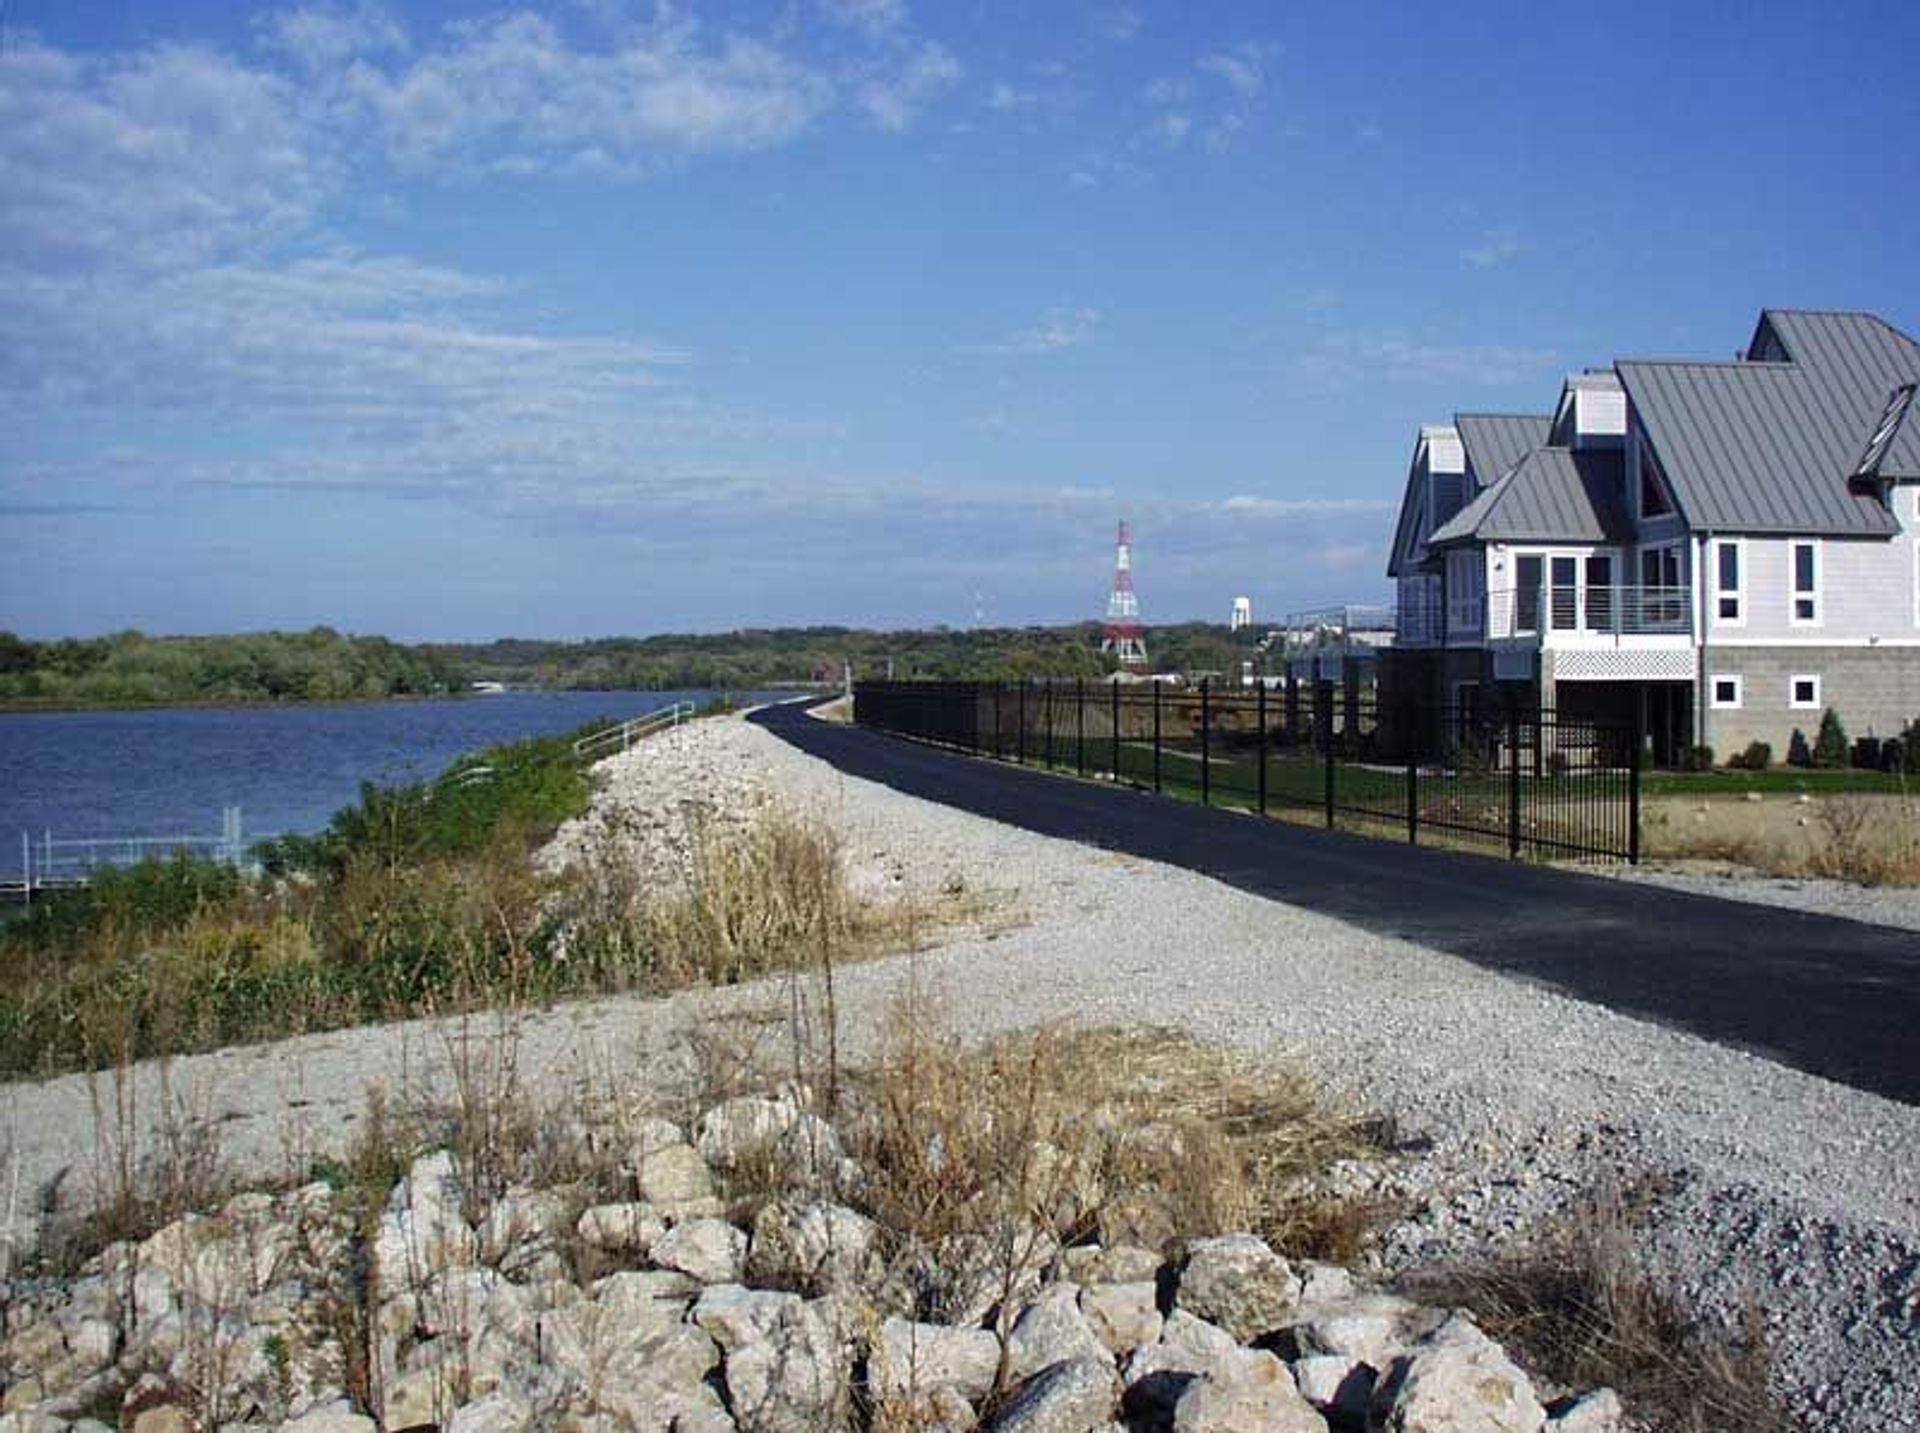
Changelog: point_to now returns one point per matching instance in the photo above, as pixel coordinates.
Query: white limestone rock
(1456, 1380)
(1239, 1283)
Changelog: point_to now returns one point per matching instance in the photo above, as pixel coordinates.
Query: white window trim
(1794, 594)
(1793, 686)
(1713, 691)
(1738, 594)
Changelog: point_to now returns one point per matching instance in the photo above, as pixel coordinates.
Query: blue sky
(451, 321)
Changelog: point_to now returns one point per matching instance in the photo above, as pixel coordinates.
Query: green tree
(1831, 747)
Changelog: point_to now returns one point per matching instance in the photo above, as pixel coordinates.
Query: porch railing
(1543, 611)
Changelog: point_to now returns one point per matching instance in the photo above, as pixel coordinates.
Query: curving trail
(1833, 997)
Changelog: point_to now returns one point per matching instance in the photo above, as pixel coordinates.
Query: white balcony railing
(1544, 611)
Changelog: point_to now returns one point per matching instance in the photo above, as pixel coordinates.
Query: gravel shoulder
(1790, 1195)
(1895, 906)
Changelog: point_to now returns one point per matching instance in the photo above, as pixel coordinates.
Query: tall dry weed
(1578, 1304)
(1063, 1135)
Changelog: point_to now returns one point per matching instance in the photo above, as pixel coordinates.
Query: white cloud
(1216, 107)
(1496, 246)
(1171, 127)
(1119, 24)
(1005, 98)
(1344, 359)
(894, 94)
(1060, 328)
(155, 159)
(1242, 72)
(1299, 507)
(512, 95)
(875, 17)
(320, 36)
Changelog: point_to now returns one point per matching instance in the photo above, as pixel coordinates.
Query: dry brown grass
(148, 1168)
(1578, 1305)
(1871, 840)
(753, 900)
(1065, 1135)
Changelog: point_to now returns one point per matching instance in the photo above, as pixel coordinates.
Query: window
(1805, 559)
(1653, 486)
(1726, 692)
(1803, 693)
(1529, 576)
(1729, 581)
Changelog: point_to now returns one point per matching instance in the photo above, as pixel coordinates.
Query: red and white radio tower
(1124, 636)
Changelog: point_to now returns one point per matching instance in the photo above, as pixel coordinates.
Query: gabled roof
(1496, 441)
(1552, 495)
(1430, 435)
(1767, 443)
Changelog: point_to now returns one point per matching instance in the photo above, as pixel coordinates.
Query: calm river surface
(170, 772)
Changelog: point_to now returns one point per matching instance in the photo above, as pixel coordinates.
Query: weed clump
(1577, 1304)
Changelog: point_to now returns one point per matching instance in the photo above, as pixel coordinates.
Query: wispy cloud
(1343, 359)
(514, 95)
(1298, 507)
(1060, 328)
(1496, 246)
(1119, 24)
(894, 93)
(876, 17)
(320, 36)
(1214, 103)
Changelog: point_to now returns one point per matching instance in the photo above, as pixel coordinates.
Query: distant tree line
(757, 658)
(134, 669)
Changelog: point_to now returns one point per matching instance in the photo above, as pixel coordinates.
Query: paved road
(1833, 997)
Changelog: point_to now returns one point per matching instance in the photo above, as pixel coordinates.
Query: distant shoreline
(27, 707)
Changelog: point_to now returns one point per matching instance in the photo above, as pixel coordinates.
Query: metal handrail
(626, 733)
(1607, 611)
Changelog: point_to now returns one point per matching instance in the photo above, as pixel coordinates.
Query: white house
(1723, 549)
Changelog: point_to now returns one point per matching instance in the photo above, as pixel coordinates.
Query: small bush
(1758, 756)
(1910, 748)
(1697, 758)
(1831, 746)
(1799, 753)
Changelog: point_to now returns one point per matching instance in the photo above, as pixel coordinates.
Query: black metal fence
(1537, 785)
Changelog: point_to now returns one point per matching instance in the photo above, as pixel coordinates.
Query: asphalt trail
(1833, 997)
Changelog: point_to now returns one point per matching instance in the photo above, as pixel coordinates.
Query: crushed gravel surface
(1787, 1194)
(1897, 906)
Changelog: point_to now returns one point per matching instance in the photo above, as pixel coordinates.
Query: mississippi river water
(289, 768)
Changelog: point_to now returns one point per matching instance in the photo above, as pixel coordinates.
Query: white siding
(1599, 416)
(1445, 452)
(1866, 590)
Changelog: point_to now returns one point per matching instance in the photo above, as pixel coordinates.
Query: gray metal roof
(1767, 446)
(1496, 441)
(1553, 495)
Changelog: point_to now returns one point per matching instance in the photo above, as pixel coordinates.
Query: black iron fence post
(1513, 784)
(1206, 786)
(1634, 759)
(1020, 723)
(1156, 737)
(1413, 797)
(1260, 720)
(1115, 703)
(1323, 718)
(1080, 723)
